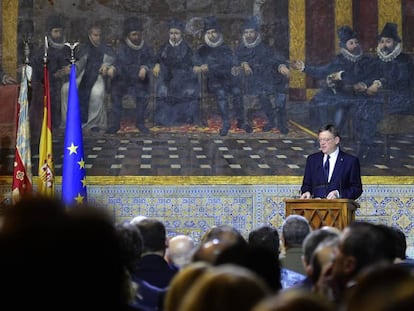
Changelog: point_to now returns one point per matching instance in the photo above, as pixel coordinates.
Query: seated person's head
(224, 288)
(295, 229)
(360, 246)
(182, 283)
(257, 259)
(265, 236)
(226, 233)
(311, 243)
(215, 240)
(65, 257)
(294, 299)
(180, 250)
(153, 235)
(382, 288)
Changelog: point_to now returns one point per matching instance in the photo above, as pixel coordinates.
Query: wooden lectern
(323, 212)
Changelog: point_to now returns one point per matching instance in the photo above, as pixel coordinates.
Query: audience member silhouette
(215, 240)
(294, 300)
(152, 267)
(257, 259)
(309, 245)
(224, 288)
(382, 288)
(180, 250)
(295, 229)
(268, 237)
(60, 259)
(182, 283)
(360, 246)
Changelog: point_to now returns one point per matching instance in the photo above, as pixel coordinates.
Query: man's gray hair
(295, 228)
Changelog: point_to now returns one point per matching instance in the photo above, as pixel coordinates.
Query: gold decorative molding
(297, 31)
(10, 12)
(390, 11)
(216, 180)
(343, 16)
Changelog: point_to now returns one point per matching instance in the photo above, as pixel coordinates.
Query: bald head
(180, 250)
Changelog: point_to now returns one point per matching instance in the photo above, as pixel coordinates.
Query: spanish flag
(46, 184)
(22, 172)
(73, 171)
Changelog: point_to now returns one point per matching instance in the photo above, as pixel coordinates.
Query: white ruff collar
(91, 41)
(391, 56)
(254, 43)
(134, 46)
(213, 44)
(175, 44)
(55, 44)
(349, 56)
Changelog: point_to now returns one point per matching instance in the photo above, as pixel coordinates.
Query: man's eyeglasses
(325, 140)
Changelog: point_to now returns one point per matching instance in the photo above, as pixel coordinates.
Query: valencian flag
(73, 175)
(46, 184)
(22, 172)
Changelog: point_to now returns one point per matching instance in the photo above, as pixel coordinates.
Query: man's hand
(236, 70)
(297, 65)
(204, 68)
(200, 69)
(334, 194)
(156, 70)
(284, 70)
(142, 73)
(336, 76)
(104, 70)
(360, 87)
(197, 69)
(111, 71)
(306, 195)
(374, 87)
(8, 79)
(247, 69)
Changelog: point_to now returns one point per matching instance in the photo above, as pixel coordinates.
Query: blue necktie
(326, 168)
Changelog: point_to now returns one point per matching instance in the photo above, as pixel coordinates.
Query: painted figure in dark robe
(391, 89)
(263, 75)
(94, 60)
(178, 92)
(58, 57)
(214, 60)
(130, 74)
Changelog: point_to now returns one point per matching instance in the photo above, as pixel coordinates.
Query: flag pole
(46, 170)
(22, 171)
(73, 171)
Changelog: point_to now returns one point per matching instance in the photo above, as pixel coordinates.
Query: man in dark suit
(331, 173)
(152, 267)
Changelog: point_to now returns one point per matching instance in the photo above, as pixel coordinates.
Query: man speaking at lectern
(331, 173)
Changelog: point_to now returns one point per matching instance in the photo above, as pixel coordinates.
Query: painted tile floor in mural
(196, 151)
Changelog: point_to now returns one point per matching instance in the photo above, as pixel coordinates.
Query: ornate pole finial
(72, 47)
(26, 52)
(46, 47)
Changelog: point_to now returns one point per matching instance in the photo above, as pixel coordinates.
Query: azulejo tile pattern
(193, 209)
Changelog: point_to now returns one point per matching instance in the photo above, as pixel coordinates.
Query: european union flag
(73, 175)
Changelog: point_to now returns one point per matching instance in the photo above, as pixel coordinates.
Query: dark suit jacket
(155, 270)
(346, 176)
